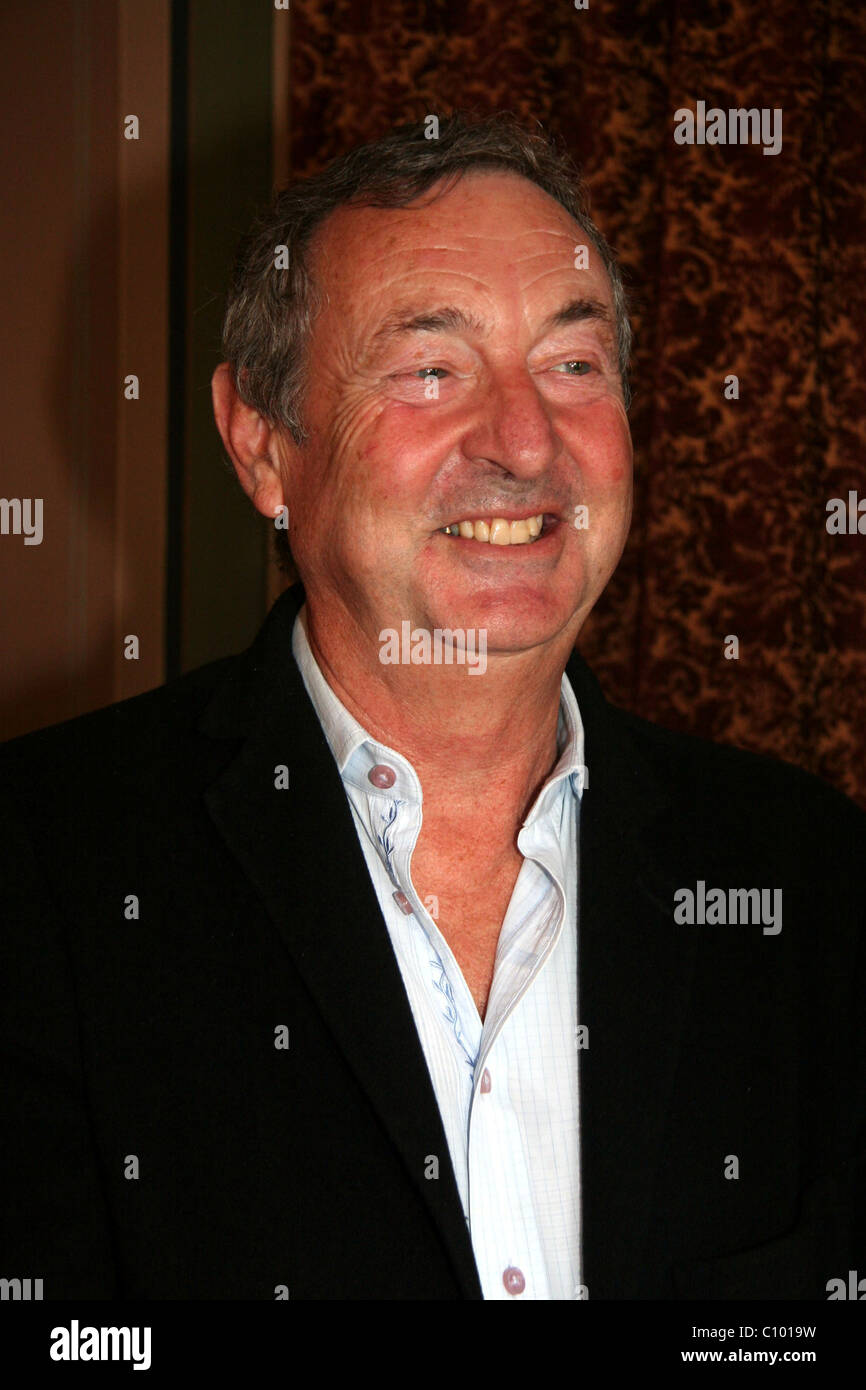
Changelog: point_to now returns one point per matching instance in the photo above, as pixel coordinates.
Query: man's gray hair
(270, 311)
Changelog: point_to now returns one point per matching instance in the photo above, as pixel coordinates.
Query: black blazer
(141, 1039)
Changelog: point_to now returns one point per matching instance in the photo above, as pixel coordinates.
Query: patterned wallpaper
(740, 263)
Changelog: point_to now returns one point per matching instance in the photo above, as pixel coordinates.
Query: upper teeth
(498, 531)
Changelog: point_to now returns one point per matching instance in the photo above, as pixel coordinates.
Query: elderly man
(386, 959)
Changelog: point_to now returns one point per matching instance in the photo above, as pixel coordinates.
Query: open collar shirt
(507, 1087)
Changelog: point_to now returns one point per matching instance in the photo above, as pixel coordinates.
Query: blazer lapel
(300, 849)
(634, 973)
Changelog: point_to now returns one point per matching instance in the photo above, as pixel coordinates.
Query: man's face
(529, 419)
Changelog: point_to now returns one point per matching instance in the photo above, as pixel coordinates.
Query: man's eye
(575, 362)
(428, 371)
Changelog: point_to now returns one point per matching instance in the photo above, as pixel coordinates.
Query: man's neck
(479, 744)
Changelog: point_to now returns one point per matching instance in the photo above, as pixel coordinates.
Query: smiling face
(476, 290)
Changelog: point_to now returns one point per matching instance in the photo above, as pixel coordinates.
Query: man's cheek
(609, 461)
(354, 426)
(394, 472)
(617, 476)
(607, 482)
(608, 419)
(607, 502)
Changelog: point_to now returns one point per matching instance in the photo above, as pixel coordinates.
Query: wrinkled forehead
(487, 234)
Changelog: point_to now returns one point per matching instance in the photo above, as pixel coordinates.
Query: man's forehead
(469, 207)
(499, 221)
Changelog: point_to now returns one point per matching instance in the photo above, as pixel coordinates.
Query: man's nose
(513, 427)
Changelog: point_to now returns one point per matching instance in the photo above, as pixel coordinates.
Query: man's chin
(510, 627)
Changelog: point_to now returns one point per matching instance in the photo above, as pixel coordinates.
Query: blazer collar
(634, 965)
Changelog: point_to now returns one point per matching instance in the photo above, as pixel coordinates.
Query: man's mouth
(496, 530)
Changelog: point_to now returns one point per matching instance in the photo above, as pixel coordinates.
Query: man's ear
(250, 442)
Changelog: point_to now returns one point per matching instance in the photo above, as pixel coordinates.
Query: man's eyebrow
(447, 319)
(579, 311)
(450, 319)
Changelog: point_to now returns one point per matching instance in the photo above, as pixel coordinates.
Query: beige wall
(85, 265)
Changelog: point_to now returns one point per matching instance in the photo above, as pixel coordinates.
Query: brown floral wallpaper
(739, 263)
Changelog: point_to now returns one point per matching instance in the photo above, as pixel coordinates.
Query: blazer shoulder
(750, 785)
(155, 723)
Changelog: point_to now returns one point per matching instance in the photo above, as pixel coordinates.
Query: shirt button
(486, 1083)
(403, 903)
(513, 1280)
(382, 776)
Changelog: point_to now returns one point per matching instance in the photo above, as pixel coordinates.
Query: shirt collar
(342, 731)
(357, 753)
